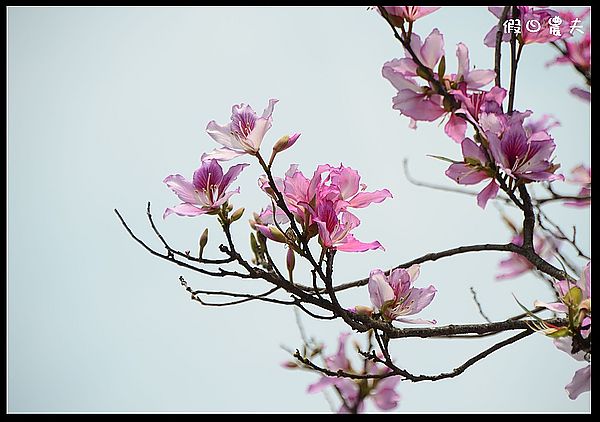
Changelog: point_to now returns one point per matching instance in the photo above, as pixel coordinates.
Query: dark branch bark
(498, 50)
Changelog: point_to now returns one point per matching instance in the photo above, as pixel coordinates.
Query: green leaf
(561, 332)
(449, 160)
(442, 67)
(573, 297)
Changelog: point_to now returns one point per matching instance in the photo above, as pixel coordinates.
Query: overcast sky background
(105, 102)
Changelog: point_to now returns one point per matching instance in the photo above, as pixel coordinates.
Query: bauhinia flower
(325, 197)
(578, 53)
(582, 379)
(395, 297)
(473, 105)
(581, 175)
(420, 103)
(334, 231)
(474, 170)
(575, 301)
(382, 392)
(206, 193)
(424, 102)
(517, 264)
(399, 14)
(243, 135)
(522, 156)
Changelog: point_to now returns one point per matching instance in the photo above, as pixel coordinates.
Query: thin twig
(479, 305)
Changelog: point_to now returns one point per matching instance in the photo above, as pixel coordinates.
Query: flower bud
(202, 242)
(237, 214)
(272, 233)
(290, 261)
(285, 142)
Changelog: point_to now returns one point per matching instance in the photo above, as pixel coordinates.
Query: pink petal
(323, 383)
(221, 134)
(554, 307)
(489, 192)
(432, 49)
(185, 210)
(581, 382)
(478, 78)
(420, 298)
(351, 244)
(456, 128)
(465, 175)
(221, 154)
(398, 80)
(231, 175)
(379, 289)
(418, 106)
(363, 199)
(183, 188)
(582, 93)
(471, 150)
(462, 53)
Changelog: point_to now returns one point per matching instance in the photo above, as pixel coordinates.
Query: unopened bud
(361, 310)
(202, 242)
(237, 214)
(285, 142)
(229, 207)
(290, 261)
(254, 244)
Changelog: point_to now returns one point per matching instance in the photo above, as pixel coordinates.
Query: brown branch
(178, 253)
(417, 378)
(171, 258)
(479, 305)
(498, 49)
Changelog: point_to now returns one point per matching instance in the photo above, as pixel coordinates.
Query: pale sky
(104, 102)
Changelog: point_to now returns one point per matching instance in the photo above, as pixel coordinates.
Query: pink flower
(473, 105)
(473, 170)
(382, 392)
(579, 52)
(243, 135)
(527, 13)
(582, 175)
(334, 232)
(472, 78)
(415, 101)
(522, 156)
(320, 204)
(206, 192)
(516, 264)
(398, 14)
(423, 102)
(581, 381)
(395, 297)
(575, 300)
(342, 186)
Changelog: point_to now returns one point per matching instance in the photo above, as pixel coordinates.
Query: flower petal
(487, 193)
(364, 199)
(182, 187)
(185, 210)
(581, 382)
(221, 154)
(379, 289)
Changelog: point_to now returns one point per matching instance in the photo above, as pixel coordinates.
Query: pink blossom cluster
(575, 300)
(381, 391)
(321, 206)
